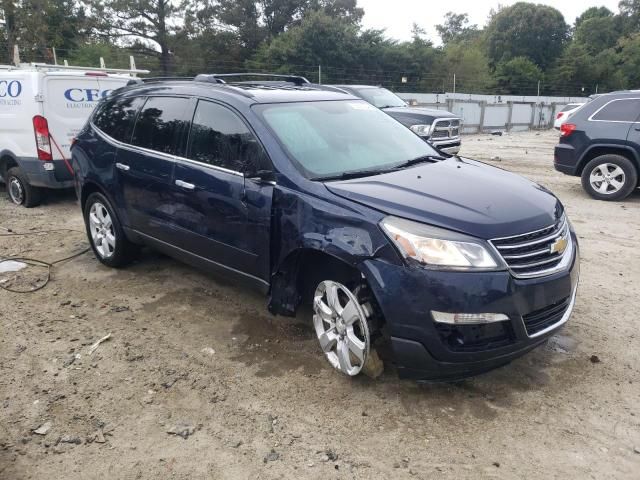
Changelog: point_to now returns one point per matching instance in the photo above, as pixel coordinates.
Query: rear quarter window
(622, 110)
(115, 117)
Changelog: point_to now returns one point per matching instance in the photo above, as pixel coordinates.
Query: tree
(630, 13)
(597, 33)
(518, 75)
(147, 24)
(536, 32)
(456, 27)
(9, 32)
(629, 60)
(593, 12)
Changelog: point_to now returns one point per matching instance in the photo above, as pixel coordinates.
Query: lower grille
(475, 338)
(536, 253)
(538, 320)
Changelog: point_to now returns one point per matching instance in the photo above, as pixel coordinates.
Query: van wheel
(341, 325)
(609, 177)
(20, 191)
(105, 232)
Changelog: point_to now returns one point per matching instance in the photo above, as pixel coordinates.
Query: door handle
(123, 167)
(185, 185)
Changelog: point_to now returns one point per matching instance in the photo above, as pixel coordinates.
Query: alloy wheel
(341, 326)
(607, 178)
(102, 231)
(16, 191)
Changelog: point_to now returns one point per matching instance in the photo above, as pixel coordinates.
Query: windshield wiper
(421, 159)
(353, 174)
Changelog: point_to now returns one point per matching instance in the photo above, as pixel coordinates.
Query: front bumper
(423, 350)
(449, 146)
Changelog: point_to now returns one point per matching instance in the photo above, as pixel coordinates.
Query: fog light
(468, 318)
(48, 166)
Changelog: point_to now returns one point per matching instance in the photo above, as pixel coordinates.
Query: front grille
(536, 253)
(446, 128)
(538, 320)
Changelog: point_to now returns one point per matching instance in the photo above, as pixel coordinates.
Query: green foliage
(518, 74)
(456, 28)
(537, 32)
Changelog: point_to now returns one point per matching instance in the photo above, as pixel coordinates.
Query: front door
(218, 213)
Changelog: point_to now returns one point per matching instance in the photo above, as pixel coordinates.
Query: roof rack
(132, 70)
(221, 77)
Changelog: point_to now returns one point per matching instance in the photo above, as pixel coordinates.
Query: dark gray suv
(601, 144)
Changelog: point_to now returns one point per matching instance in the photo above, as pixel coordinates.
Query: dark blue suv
(315, 196)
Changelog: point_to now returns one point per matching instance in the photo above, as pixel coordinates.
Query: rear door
(219, 214)
(634, 132)
(67, 102)
(145, 165)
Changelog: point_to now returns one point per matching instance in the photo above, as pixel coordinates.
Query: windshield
(331, 138)
(381, 97)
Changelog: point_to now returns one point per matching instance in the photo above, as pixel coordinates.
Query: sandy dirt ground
(197, 380)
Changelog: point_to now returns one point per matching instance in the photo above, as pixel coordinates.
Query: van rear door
(69, 99)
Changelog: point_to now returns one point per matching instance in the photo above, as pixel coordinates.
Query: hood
(417, 113)
(457, 194)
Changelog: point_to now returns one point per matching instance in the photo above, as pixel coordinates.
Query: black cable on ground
(34, 262)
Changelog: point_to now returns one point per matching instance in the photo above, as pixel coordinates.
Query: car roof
(247, 92)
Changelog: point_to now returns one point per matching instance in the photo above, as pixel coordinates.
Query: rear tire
(609, 177)
(105, 233)
(19, 190)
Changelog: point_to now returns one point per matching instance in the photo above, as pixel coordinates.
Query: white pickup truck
(42, 107)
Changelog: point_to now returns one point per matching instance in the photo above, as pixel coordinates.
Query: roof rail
(136, 81)
(46, 66)
(221, 77)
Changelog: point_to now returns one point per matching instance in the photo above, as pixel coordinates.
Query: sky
(397, 16)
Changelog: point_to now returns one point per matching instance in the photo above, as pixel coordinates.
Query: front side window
(218, 137)
(381, 97)
(115, 117)
(159, 123)
(623, 110)
(331, 138)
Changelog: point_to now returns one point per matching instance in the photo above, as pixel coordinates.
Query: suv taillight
(43, 145)
(567, 129)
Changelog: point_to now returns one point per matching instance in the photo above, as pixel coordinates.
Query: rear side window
(218, 137)
(115, 117)
(159, 123)
(622, 110)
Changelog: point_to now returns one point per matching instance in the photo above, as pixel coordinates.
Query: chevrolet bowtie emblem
(559, 246)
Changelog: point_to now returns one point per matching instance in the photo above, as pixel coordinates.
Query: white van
(42, 107)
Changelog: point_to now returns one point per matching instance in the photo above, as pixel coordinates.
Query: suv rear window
(115, 117)
(159, 123)
(622, 110)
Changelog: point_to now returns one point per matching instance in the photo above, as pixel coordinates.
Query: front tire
(105, 233)
(609, 177)
(19, 190)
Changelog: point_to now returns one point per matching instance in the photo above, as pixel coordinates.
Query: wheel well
(299, 274)
(88, 189)
(6, 163)
(598, 151)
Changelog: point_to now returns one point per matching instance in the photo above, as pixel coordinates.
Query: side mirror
(261, 176)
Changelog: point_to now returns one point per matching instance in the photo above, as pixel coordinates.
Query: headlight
(438, 248)
(422, 130)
